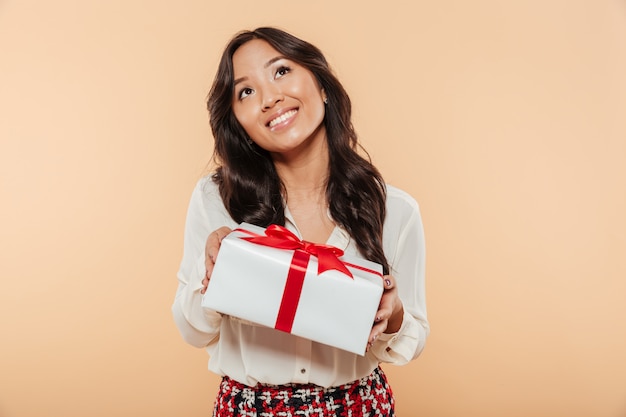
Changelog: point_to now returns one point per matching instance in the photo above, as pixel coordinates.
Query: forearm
(406, 344)
(197, 326)
(395, 321)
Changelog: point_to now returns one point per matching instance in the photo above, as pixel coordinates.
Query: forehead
(253, 55)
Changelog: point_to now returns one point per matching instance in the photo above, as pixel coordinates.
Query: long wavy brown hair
(248, 182)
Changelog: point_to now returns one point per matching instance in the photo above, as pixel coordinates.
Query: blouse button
(303, 371)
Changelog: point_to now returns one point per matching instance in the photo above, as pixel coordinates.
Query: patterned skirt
(367, 397)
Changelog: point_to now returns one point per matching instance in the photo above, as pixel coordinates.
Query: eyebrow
(267, 64)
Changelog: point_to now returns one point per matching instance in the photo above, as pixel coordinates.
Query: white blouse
(254, 354)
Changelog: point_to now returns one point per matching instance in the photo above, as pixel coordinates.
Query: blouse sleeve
(407, 267)
(198, 327)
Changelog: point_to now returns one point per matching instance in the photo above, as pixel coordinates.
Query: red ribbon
(327, 258)
(281, 238)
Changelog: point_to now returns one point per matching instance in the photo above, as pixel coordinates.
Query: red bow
(281, 238)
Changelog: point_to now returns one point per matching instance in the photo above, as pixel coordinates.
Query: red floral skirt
(367, 397)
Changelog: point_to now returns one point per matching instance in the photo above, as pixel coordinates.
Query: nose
(271, 97)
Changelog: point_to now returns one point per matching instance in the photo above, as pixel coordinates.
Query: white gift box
(281, 288)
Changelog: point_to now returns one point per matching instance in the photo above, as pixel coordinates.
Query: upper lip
(278, 114)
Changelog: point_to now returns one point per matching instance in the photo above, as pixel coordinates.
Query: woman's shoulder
(399, 200)
(206, 184)
(403, 220)
(207, 193)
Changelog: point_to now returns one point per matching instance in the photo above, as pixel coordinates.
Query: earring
(325, 100)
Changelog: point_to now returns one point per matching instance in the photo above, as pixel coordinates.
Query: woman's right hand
(213, 243)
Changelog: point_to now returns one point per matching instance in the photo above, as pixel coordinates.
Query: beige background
(506, 120)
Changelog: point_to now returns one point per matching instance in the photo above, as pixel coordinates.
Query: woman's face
(278, 102)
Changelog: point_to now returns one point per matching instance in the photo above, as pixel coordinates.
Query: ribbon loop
(279, 237)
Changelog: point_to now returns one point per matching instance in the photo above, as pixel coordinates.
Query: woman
(287, 154)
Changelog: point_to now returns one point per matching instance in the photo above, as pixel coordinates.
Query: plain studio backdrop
(505, 120)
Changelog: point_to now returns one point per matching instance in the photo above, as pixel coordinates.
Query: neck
(304, 174)
(305, 180)
(305, 195)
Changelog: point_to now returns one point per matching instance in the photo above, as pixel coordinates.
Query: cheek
(310, 91)
(317, 104)
(244, 117)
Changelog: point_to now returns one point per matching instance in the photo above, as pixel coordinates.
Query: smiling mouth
(282, 118)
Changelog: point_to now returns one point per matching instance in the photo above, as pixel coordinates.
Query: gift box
(272, 278)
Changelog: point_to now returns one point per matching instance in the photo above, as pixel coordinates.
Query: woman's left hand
(390, 311)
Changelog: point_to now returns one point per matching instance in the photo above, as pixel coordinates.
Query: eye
(281, 71)
(245, 92)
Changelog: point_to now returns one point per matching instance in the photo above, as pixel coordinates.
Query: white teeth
(282, 118)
